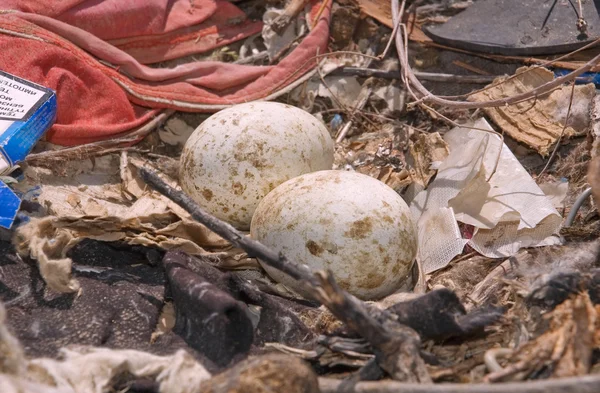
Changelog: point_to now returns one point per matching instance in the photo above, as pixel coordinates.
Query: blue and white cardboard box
(27, 111)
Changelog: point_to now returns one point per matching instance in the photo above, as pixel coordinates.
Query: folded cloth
(150, 30)
(105, 91)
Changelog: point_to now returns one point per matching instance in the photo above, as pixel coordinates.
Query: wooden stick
(99, 148)
(363, 97)
(227, 232)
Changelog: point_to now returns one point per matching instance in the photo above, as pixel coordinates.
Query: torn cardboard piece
(105, 200)
(540, 121)
(508, 211)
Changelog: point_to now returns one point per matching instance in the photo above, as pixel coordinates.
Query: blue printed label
(18, 98)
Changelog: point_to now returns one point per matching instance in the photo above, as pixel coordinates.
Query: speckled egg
(238, 155)
(349, 223)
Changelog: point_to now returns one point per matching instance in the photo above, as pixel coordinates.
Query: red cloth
(97, 101)
(150, 30)
(110, 19)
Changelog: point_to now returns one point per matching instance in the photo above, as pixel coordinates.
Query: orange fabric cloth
(62, 44)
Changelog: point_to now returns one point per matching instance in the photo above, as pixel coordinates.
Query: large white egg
(238, 155)
(349, 223)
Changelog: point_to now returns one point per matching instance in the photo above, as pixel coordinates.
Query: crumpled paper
(508, 211)
(91, 370)
(556, 191)
(538, 123)
(105, 200)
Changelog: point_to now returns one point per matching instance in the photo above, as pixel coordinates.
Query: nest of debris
(115, 280)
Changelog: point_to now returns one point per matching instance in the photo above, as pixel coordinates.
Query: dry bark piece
(396, 346)
(369, 372)
(564, 350)
(593, 287)
(556, 290)
(552, 290)
(278, 320)
(264, 374)
(209, 319)
(439, 315)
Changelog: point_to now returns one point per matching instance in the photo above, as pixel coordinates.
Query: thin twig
(562, 132)
(581, 22)
(408, 75)
(428, 76)
(255, 57)
(360, 104)
(227, 232)
(102, 147)
(319, 13)
(534, 63)
(545, 88)
(391, 40)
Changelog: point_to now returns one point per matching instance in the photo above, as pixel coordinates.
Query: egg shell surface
(238, 155)
(349, 223)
